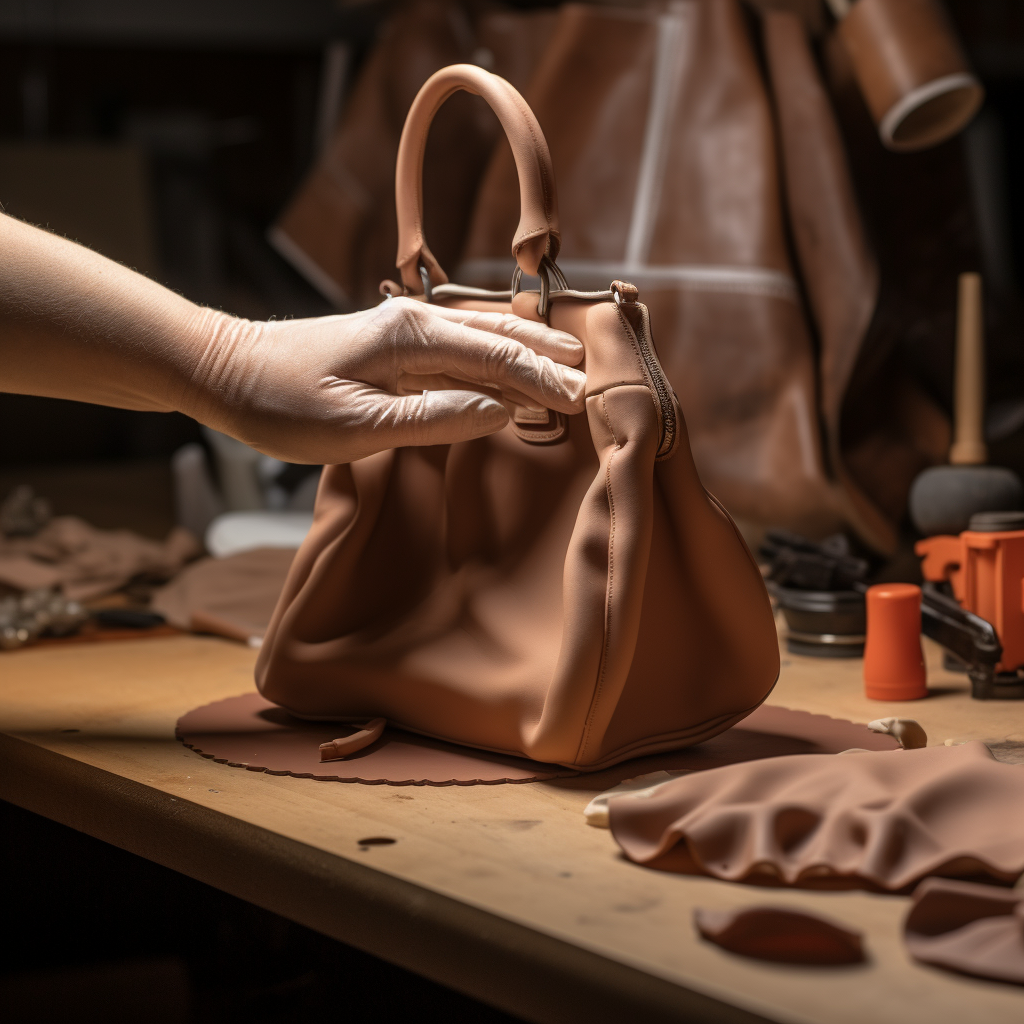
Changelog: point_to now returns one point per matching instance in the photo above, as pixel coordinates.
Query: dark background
(218, 107)
(169, 135)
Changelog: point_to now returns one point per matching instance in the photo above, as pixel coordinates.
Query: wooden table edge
(488, 957)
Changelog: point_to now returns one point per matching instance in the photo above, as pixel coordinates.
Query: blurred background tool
(943, 498)
(971, 640)
(911, 69)
(984, 568)
(819, 588)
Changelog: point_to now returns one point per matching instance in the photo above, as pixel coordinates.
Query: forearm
(76, 325)
(333, 389)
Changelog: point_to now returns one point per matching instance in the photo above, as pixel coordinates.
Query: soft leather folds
(880, 819)
(577, 602)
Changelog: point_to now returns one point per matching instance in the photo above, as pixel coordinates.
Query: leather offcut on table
(968, 928)
(232, 597)
(781, 935)
(769, 732)
(879, 820)
(83, 562)
(250, 732)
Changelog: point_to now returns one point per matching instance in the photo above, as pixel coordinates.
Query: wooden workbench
(501, 892)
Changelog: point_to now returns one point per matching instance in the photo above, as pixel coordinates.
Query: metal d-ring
(547, 266)
(428, 288)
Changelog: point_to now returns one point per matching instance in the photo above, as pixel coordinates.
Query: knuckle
(402, 317)
(508, 353)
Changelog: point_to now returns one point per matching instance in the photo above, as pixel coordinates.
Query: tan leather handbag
(563, 590)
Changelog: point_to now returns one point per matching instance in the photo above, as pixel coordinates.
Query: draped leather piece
(968, 928)
(837, 266)
(877, 819)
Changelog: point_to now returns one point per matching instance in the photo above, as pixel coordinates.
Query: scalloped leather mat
(252, 733)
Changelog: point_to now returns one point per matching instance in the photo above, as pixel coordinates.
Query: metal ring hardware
(547, 267)
(428, 288)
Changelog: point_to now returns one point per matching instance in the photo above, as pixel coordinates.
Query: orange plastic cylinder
(893, 659)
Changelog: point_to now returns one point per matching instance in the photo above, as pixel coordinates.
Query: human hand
(339, 388)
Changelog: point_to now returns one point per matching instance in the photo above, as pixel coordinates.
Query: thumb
(441, 417)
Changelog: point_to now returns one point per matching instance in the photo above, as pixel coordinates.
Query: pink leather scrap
(968, 928)
(879, 819)
(781, 935)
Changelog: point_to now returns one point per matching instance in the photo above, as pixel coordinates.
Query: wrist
(216, 373)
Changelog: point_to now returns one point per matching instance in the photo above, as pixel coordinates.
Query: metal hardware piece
(428, 288)
(547, 267)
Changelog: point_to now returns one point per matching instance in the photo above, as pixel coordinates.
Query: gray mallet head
(944, 498)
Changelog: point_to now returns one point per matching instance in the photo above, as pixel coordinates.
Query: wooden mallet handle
(969, 386)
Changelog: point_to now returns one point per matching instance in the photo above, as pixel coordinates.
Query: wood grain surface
(500, 891)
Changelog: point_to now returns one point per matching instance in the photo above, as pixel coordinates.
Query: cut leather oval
(781, 935)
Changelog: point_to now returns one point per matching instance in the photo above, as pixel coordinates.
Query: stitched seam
(596, 700)
(608, 422)
(541, 167)
(546, 184)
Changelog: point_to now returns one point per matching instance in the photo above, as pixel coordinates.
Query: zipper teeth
(662, 390)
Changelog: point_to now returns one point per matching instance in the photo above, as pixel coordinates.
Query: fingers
(435, 345)
(416, 383)
(437, 417)
(556, 345)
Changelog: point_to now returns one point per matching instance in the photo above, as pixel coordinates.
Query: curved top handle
(537, 234)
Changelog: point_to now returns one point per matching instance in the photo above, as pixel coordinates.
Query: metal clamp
(973, 641)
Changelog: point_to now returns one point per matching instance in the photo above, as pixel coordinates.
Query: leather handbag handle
(537, 234)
